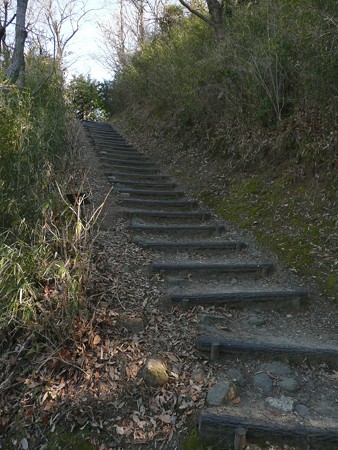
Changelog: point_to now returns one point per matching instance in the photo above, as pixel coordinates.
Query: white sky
(85, 45)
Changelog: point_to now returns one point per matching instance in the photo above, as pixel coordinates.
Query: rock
(154, 372)
(256, 321)
(263, 382)
(236, 376)
(133, 324)
(198, 375)
(282, 403)
(276, 368)
(302, 410)
(221, 393)
(208, 319)
(289, 384)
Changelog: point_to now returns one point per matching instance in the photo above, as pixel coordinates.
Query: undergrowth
(45, 240)
(262, 104)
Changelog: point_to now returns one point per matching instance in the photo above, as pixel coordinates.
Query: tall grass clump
(44, 241)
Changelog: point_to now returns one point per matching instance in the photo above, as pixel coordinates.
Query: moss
(74, 441)
(332, 284)
(192, 442)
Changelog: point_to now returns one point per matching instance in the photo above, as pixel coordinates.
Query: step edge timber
(120, 154)
(228, 347)
(238, 296)
(128, 161)
(149, 192)
(169, 214)
(168, 228)
(204, 245)
(144, 170)
(169, 203)
(219, 426)
(144, 183)
(274, 300)
(219, 267)
(112, 174)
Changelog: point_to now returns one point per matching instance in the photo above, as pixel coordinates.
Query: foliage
(43, 242)
(87, 98)
(276, 61)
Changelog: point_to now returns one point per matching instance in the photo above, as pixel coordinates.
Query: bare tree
(15, 72)
(4, 23)
(128, 29)
(216, 10)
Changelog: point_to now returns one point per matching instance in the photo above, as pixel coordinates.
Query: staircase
(204, 264)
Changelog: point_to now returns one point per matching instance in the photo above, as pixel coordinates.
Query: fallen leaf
(166, 418)
(97, 339)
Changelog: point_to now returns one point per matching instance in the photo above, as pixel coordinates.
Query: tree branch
(197, 13)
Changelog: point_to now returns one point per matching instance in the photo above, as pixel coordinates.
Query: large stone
(263, 382)
(289, 384)
(154, 372)
(221, 393)
(276, 368)
(282, 403)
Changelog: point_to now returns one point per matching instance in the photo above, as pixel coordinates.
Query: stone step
(127, 162)
(160, 204)
(151, 192)
(133, 169)
(170, 216)
(136, 176)
(213, 270)
(272, 300)
(221, 428)
(191, 245)
(249, 349)
(144, 184)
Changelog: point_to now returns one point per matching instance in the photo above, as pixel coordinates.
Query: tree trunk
(216, 11)
(16, 70)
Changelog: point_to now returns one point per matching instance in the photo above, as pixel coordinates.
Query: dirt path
(144, 319)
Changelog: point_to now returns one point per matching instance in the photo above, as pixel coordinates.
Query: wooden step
(160, 204)
(144, 184)
(272, 300)
(219, 428)
(139, 176)
(172, 216)
(151, 192)
(293, 353)
(194, 245)
(182, 230)
(134, 169)
(133, 162)
(216, 270)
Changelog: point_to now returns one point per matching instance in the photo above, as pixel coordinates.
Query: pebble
(282, 403)
(263, 382)
(302, 410)
(289, 384)
(221, 393)
(276, 368)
